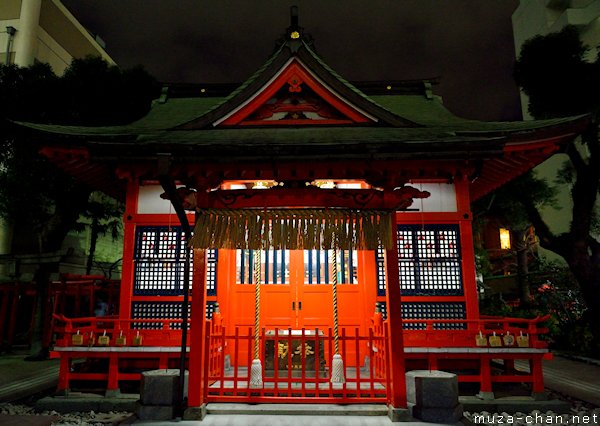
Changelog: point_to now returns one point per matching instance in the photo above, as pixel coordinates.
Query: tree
(104, 217)
(553, 72)
(512, 215)
(40, 202)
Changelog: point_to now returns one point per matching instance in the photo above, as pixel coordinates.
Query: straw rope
(334, 281)
(257, 276)
(256, 376)
(292, 229)
(337, 363)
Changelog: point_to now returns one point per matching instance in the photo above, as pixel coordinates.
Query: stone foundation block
(434, 395)
(434, 388)
(161, 387)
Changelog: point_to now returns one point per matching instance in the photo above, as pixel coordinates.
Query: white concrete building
(46, 31)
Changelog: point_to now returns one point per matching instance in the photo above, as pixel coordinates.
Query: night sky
(468, 43)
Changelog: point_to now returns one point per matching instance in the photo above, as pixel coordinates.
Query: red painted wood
(295, 70)
(309, 196)
(280, 303)
(396, 365)
(197, 381)
(127, 267)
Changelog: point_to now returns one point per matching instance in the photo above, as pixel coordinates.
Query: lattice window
(163, 310)
(433, 310)
(159, 258)
(275, 266)
(318, 267)
(156, 310)
(383, 309)
(429, 260)
(380, 265)
(210, 309)
(211, 272)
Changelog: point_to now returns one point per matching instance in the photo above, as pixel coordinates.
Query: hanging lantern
(504, 239)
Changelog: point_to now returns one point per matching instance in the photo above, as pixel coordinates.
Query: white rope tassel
(337, 364)
(256, 376)
(337, 369)
(256, 381)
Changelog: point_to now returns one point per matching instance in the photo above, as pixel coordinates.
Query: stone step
(298, 409)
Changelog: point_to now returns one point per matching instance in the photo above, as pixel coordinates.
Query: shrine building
(332, 246)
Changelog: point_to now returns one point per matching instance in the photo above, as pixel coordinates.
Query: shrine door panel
(277, 293)
(296, 291)
(316, 294)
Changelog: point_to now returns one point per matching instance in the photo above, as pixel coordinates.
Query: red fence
(296, 366)
(72, 295)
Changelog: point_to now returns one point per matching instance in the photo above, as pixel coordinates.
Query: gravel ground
(70, 419)
(581, 413)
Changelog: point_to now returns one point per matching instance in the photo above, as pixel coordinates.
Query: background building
(46, 31)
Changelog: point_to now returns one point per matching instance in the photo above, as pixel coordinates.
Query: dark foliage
(556, 72)
(40, 201)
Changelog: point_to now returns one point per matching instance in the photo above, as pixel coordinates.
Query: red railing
(296, 366)
(153, 332)
(465, 333)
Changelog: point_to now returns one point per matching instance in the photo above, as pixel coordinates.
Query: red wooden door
(296, 292)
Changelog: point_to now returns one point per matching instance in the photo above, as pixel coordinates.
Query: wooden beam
(400, 199)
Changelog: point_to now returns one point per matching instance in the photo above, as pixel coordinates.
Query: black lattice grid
(434, 267)
(380, 263)
(383, 309)
(156, 310)
(160, 259)
(163, 310)
(434, 310)
(210, 309)
(408, 278)
(160, 277)
(159, 242)
(441, 277)
(405, 243)
(211, 272)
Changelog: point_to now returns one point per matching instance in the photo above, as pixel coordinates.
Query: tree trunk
(51, 239)
(40, 346)
(583, 250)
(93, 241)
(521, 247)
(587, 272)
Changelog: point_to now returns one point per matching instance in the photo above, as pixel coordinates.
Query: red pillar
(196, 384)
(394, 318)
(127, 267)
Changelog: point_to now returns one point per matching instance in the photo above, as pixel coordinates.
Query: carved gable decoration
(295, 97)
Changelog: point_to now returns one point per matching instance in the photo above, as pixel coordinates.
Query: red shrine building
(332, 246)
